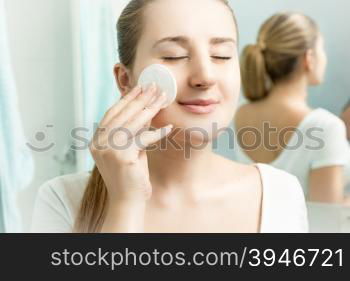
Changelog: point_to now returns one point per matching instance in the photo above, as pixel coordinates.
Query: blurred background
(56, 62)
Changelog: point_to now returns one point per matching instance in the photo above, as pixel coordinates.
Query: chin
(196, 140)
(202, 128)
(198, 135)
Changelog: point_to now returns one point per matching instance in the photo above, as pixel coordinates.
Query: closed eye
(221, 58)
(179, 58)
(174, 58)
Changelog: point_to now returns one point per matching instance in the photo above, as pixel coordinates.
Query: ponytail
(282, 40)
(255, 79)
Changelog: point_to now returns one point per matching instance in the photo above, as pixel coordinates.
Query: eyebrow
(182, 40)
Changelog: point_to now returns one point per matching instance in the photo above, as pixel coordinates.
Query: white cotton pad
(163, 78)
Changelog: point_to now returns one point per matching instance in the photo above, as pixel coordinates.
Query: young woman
(164, 189)
(310, 143)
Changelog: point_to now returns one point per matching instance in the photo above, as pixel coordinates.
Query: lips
(200, 106)
(201, 102)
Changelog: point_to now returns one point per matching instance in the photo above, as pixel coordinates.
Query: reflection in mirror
(284, 102)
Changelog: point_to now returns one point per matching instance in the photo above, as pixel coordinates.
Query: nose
(202, 73)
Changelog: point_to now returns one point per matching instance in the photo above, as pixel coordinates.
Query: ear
(123, 78)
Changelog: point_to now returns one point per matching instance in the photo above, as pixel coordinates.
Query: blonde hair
(92, 210)
(281, 42)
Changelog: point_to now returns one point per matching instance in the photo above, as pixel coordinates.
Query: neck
(291, 92)
(179, 167)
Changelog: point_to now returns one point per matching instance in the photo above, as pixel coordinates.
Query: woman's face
(196, 40)
(320, 63)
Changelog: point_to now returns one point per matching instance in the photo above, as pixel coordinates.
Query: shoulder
(332, 147)
(71, 185)
(284, 206)
(57, 203)
(64, 193)
(324, 119)
(244, 110)
(280, 182)
(236, 170)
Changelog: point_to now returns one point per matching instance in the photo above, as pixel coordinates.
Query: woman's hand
(118, 148)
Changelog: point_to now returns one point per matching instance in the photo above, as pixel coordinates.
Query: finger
(116, 128)
(148, 138)
(119, 105)
(133, 108)
(146, 115)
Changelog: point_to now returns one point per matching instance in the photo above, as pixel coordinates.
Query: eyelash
(179, 58)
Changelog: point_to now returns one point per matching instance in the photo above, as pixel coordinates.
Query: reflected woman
(289, 57)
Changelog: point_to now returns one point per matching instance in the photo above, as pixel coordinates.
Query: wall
(40, 45)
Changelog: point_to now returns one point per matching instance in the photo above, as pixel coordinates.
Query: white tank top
(310, 154)
(283, 203)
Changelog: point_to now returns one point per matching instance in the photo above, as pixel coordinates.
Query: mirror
(61, 53)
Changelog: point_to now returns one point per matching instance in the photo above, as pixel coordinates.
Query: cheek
(323, 63)
(231, 86)
(162, 119)
(320, 72)
(230, 89)
(316, 76)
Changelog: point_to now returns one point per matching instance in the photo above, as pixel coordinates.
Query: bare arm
(327, 185)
